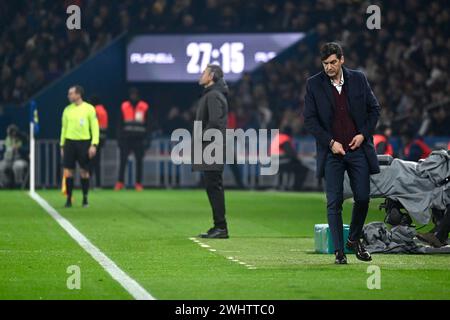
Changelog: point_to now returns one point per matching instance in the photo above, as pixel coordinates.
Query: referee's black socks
(69, 188)
(85, 186)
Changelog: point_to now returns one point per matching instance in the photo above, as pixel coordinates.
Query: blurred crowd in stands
(406, 62)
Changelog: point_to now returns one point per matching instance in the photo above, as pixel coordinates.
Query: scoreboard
(182, 58)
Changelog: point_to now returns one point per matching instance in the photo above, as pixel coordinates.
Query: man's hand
(337, 148)
(356, 141)
(92, 151)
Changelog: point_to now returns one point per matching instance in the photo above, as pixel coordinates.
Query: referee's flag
(34, 118)
(63, 185)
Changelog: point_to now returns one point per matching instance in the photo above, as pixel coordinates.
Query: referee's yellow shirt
(80, 123)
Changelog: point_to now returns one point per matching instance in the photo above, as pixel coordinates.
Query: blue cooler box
(322, 238)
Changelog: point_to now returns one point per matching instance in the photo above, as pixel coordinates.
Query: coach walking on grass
(212, 112)
(341, 112)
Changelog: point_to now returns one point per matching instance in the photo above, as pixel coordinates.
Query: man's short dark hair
(217, 71)
(78, 89)
(133, 90)
(329, 49)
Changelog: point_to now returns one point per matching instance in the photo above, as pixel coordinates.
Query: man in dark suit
(341, 112)
(212, 111)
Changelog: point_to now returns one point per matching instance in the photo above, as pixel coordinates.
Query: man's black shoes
(431, 239)
(215, 233)
(85, 202)
(69, 203)
(340, 258)
(361, 252)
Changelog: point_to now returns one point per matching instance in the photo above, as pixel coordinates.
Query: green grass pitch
(147, 235)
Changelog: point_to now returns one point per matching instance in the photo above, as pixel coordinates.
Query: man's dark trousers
(214, 188)
(128, 145)
(357, 167)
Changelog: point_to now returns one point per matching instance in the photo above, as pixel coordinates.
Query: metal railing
(159, 170)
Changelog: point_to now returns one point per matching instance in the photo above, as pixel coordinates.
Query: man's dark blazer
(319, 110)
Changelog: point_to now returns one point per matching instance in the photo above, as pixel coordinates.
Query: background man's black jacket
(320, 105)
(212, 110)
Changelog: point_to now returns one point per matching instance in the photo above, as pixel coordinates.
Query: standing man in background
(341, 112)
(79, 141)
(282, 146)
(381, 140)
(212, 111)
(415, 147)
(134, 130)
(102, 116)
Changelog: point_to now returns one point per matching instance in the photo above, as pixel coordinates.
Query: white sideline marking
(208, 247)
(128, 283)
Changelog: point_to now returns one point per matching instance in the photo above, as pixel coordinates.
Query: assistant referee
(79, 140)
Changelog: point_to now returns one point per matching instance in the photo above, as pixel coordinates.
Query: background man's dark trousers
(357, 167)
(95, 164)
(213, 181)
(127, 146)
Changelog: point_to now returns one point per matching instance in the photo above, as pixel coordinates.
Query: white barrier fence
(158, 169)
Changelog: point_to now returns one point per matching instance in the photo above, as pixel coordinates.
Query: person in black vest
(341, 112)
(103, 121)
(283, 147)
(415, 147)
(381, 140)
(212, 111)
(134, 129)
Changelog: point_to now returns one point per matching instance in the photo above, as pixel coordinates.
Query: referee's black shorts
(76, 151)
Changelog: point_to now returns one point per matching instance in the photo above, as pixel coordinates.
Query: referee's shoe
(69, 202)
